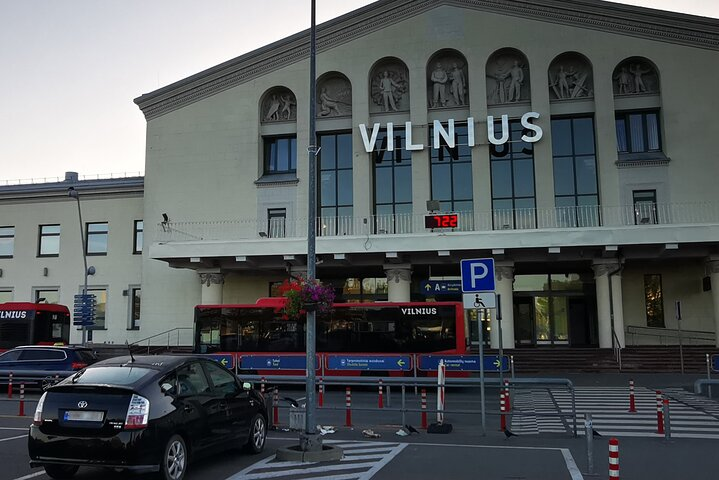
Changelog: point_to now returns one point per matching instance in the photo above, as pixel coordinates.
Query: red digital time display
(441, 220)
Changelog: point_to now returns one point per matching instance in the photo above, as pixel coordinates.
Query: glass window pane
(403, 184)
(654, 300)
(583, 136)
(501, 179)
(344, 150)
(636, 127)
(652, 132)
(6, 246)
(327, 152)
(293, 154)
(462, 176)
(530, 283)
(97, 243)
(50, 245)
(621, 135)
(524, 203)
(441, 185)
(561, 137)
(7, 231)
(49, 229)
(523, 178)
(383, 185)
(327, 188)
(97, 227)
(559, 318)
(586, 175)
(283, 154)
(563, 176)
(463, 206)
(344, 187)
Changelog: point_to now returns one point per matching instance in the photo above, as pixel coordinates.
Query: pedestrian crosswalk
(691, 416)
(361, 461)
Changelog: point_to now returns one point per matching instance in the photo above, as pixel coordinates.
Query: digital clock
(441, 220)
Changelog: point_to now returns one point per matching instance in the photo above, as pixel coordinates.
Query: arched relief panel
(447, 80)
(334, 96)
(571, 77)
(508, 77)
(389, 86)
(636, 76)
(279, 104)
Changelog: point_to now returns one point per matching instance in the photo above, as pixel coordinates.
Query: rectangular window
(654, 300)
(276, 220)
(5, 296)
(512, 167)
(7, 242)
(135, 298)
(451, 173)
(645, 207)
(100, 307)
(392, 185)
(137, 237)
(335, 184)
(575, 172)
(49, 241)
(50, 295)
(97, 238)
(638, 132)
(280, 155)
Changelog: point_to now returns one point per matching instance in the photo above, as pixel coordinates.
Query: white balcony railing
(639, 216)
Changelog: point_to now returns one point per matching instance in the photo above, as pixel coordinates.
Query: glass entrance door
(550, 321)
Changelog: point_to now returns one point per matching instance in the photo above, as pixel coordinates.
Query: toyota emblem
(82, 404)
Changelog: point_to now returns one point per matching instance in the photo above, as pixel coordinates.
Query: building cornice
(657, 25)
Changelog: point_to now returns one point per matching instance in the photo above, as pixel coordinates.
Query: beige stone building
(573, 141)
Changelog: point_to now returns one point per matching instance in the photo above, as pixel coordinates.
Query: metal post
(667, 421)
(678, 314)
(309, 439)
(588, 434)
(74, 194)
(511, 365)
(574, 410)
(481, 371)
(404, 420)
(709, 376)
(499, 327)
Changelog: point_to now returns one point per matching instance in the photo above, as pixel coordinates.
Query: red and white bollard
(348, 404)
(441, 374)
(632, 405)
(507, 398)
(9, 386)
(613, 459)
(660, 413)
(262, 386)
(276, 407)
(424, 409)
(57, 379)
(21, 412)
(321, 396)
(380, 400)
(502, 409)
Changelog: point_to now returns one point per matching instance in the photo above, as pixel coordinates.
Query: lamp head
(71, 192)
(165, 218)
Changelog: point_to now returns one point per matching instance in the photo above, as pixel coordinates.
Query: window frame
(88, 234)
(134, 323)
(660, 300)
(11, 236)
(37, 291)
(270, 163)
(138, 236)
(274, 214)
(452, 157)
(42, 236)
(398, 161)
(338, 226)
(624, 116)
(653, 217)
(93, 290)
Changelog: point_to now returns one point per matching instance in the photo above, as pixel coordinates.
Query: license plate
(83, 416)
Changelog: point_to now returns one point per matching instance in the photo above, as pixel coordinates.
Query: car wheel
(174, 460)
(61, 471)
(258, 434)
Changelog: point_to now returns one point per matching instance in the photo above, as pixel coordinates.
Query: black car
(147, 413)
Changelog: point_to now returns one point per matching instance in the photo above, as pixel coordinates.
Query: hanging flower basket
(305, 296)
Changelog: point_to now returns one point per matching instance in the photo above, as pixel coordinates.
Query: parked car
(147, 413)
(35, 363)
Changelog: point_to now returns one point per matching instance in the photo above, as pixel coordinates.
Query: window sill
(277, 179)
(643, 159)
(133, 328)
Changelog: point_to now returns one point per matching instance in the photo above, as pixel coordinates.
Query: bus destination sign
(441, 220)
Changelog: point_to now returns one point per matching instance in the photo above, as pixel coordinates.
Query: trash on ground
(325, 429)
(402, 432)
(370, 433)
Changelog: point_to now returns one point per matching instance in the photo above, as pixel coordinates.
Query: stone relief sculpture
(635, 76)
(447, 81)
(390, 88)
(510, 76)
(279, 106)
(334, 97)
(570, 77)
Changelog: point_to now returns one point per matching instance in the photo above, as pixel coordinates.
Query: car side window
(42, 354)
(191, 380)
(10, 356)
(223, 381)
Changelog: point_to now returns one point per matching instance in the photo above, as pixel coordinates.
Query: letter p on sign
(478, 275)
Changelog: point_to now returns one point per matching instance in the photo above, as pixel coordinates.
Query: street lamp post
(88, 271)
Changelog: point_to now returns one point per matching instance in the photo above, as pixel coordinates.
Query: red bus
(24, 323)
(357, 328)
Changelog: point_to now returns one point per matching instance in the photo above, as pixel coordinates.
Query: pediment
(657, 25)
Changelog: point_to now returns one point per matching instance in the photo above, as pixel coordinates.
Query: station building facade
(573, 140)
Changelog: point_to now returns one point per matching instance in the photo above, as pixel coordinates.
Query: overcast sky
(70, 69)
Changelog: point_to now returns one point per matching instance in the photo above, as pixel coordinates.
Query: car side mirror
(167, 388)
(246, 386)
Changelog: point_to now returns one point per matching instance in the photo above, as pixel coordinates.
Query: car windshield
(111, 375)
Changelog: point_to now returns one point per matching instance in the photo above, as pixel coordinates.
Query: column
(211, 287)
(604, 310)
(504, 276)
(399, 280)
(713, 270)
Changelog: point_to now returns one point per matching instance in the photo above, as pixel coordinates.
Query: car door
(237, 400)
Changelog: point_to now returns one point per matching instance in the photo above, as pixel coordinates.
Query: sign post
(477, 282)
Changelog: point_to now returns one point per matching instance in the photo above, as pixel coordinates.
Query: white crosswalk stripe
(361, 461)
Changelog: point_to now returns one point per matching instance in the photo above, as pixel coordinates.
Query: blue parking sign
(477, 275)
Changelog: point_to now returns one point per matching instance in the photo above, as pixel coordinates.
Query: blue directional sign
(394, 363)
(464, 363)
(275, 362)
(84, 310)
(440, 287)
(477, 275)
(715, 363)
(225, 359)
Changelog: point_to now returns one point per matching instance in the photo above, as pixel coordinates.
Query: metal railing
(617, 349)
(398, 224)
(670, 336)
(93, 176)
(175, 337)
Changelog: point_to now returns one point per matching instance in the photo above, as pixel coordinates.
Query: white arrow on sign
(472, 301)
